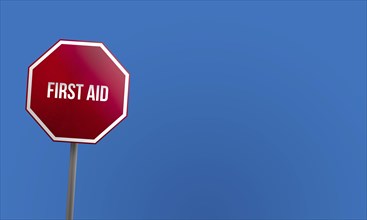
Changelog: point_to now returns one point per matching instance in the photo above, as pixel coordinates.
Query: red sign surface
(77, 91)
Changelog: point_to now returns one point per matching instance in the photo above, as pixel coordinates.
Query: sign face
(77, 91)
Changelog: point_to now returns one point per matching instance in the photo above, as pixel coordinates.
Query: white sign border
(80, 43)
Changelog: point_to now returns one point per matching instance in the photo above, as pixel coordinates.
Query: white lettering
(73, 91)
(62, 91)
(56, 89)
(79, 89)
(97, 94)
(90, 93)
(104, 94)
(71, 94)
(49, 90)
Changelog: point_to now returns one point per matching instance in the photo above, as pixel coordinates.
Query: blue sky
(241, 109)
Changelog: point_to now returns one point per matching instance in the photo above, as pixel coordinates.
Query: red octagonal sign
(77, 91)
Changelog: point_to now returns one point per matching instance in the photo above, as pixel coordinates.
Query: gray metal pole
(71, 181)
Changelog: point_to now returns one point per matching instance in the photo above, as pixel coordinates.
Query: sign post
(77, 92)
(71, 181)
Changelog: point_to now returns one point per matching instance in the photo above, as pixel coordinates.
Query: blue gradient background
(248, 110)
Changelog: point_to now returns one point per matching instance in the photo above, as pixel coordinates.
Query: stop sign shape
(77, 91)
